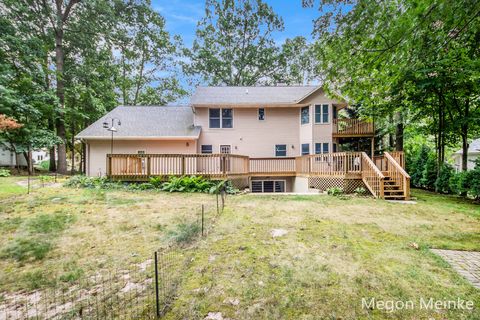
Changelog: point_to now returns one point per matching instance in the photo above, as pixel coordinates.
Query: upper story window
(220, 118)
(321, 113)
(280, 150)
(305, 149)
(304, 115)
(207, 148)
(261, 114)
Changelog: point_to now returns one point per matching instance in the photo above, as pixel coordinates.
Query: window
(227, 118)
(214, 115)
(321, 113)
(304, 115)
(268, 186)
(261, 114)
(325, 148)
(220, 118)
(321, 148)
(141, 152)
(207, 148)
(280, 150)
(305, 149)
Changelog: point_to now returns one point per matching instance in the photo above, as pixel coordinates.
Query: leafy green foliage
(81, 181)
(442, 183)
(4, 173)
(360, 191)
(188, 184)
(335, 191)
(429, 174)
(417, 165)
(184, 232)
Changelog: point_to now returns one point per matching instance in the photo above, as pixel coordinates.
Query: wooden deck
(352, 128)
(384, 176)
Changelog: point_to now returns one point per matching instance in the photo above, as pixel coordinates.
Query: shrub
(442, 183)
(188, 184)
(45, 165)
(81, 181)
(4, 173)
(335, 191)
(457, 182)
(417, 166)
(156, 182)
(22, 249)
(429, 174)
(360, 191)
(184, 232)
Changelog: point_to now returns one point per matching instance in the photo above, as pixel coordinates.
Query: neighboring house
(268, 134)
(8, 159)
(473, 154)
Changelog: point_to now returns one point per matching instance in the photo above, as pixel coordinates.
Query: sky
(182, 17)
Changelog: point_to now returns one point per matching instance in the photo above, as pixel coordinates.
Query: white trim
(330, 114)
(221, 118)
(275, 150)
(139, 138)
(220, 148)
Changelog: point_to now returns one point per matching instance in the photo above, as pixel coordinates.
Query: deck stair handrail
(398, 174)
(372, 176)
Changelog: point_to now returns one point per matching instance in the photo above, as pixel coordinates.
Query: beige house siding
(97, 150)
(250, 136)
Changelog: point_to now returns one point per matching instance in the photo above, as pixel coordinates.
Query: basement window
(261, 186)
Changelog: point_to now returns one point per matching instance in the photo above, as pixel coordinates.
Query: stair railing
(398, 174)
(372, 177)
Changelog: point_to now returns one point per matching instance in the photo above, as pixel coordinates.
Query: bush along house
(270, 139)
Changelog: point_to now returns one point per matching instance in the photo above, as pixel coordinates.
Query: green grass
(335, 253)
(9, 186)
(336, 250)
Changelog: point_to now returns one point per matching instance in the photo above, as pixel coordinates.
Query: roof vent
(246, 91)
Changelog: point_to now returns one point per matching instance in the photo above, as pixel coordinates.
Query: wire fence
(142, 291)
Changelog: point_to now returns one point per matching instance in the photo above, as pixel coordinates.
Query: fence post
(157, 298)
(183, 165)
(149, 169)
(203, 212)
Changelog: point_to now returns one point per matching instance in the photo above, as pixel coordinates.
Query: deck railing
(372, 176)
(352, 127)
(139, 166)
(398, 174)
(330, 164)
(272, 165)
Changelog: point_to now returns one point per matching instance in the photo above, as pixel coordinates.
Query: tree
(7, 123)
(418, 57)
(234, 46)
(146, 57)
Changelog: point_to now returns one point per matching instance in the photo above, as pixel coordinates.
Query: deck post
(183, 165)
(381, 193)
(109, 165)
(148, 166)
(373, 148)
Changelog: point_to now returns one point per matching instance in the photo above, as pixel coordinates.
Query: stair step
(393, 191)
(395, 197)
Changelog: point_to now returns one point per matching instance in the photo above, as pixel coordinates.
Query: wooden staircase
(392, 190)
(385, 177)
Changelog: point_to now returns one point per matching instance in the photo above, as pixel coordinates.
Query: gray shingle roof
(474, 147)
(146, 121)
(251, 95)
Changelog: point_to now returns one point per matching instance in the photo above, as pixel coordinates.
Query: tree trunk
(53, 165)
(73, 149)
(399, 132)
(59, 60)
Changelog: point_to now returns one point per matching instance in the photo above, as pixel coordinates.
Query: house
(473, 155)
(271, 139)
(9, 159)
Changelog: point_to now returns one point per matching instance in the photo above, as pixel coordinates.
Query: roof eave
(139, 137)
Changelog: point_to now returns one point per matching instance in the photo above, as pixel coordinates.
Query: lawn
(335, 252)
(59, 232)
